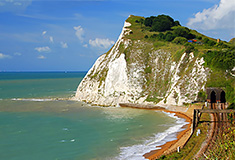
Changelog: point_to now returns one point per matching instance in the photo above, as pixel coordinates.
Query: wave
(136, 152)
(35, 99)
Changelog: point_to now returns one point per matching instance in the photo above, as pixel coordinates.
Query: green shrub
(224, 145)
(222, 59)
(231, 106)
(180, 31)
(153, 36)
(211, 43)
(199, 37)
(160, 36)
(169, 36)
(188, 48)
(179, 40)
(205, 40)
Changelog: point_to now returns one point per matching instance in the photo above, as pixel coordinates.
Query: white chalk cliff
(135, 71)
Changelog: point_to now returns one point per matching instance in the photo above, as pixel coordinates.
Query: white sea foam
(65, 129)
(136, 152)
(63, 140)
(34, 99)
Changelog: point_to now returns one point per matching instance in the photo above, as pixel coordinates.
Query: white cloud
(14, 5)
(51, 39)
(3, 56)
(220, 16)
(43, 49)
(101, 43)
(41, 57)
(78, 16)
(85, 45)
(79, 33)
(64, 45)
(17, 4)
(17, 54)
(44, 32)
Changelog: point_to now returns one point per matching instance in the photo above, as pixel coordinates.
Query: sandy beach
(171, 146)
(182, 137)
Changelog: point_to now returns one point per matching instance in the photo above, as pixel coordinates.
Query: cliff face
(138, 71)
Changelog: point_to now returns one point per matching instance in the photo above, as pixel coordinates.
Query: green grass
(153, 99)
(221, 79)
(232, 41)
(176, 57)
(224, 146)
(139, 31)
(136, 28)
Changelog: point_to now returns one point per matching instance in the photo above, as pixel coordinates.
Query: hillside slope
(141, 68)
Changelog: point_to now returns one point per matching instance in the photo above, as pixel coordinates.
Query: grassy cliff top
(177, 34)
(232, 41)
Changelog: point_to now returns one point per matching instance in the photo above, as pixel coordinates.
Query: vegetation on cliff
(166, 34)
(224, 145)
(160, 23)
(232, 41)
(164, 28)
(221, 63)
(162, 65)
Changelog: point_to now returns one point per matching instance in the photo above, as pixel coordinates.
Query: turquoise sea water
(35, 126)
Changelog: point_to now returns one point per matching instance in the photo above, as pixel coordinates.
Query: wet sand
(171, 146)
(182, 137)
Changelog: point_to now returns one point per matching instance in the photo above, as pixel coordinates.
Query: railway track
(219, 122)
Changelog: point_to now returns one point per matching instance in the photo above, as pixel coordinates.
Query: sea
(39, 122)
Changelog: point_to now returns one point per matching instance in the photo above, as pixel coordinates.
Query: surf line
(40, 99)
(168, 147)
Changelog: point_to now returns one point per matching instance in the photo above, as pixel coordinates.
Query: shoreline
(170, 146)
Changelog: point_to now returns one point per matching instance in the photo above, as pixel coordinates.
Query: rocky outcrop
(136, 71)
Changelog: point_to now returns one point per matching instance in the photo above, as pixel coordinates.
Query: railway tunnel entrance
(216, 95)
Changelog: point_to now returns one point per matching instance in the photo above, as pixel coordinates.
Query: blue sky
(59, 35)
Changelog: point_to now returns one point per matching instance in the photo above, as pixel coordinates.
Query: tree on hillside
(141, 21)
(177, 23)
(183, 32)
(149, 21)
(160, 23)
